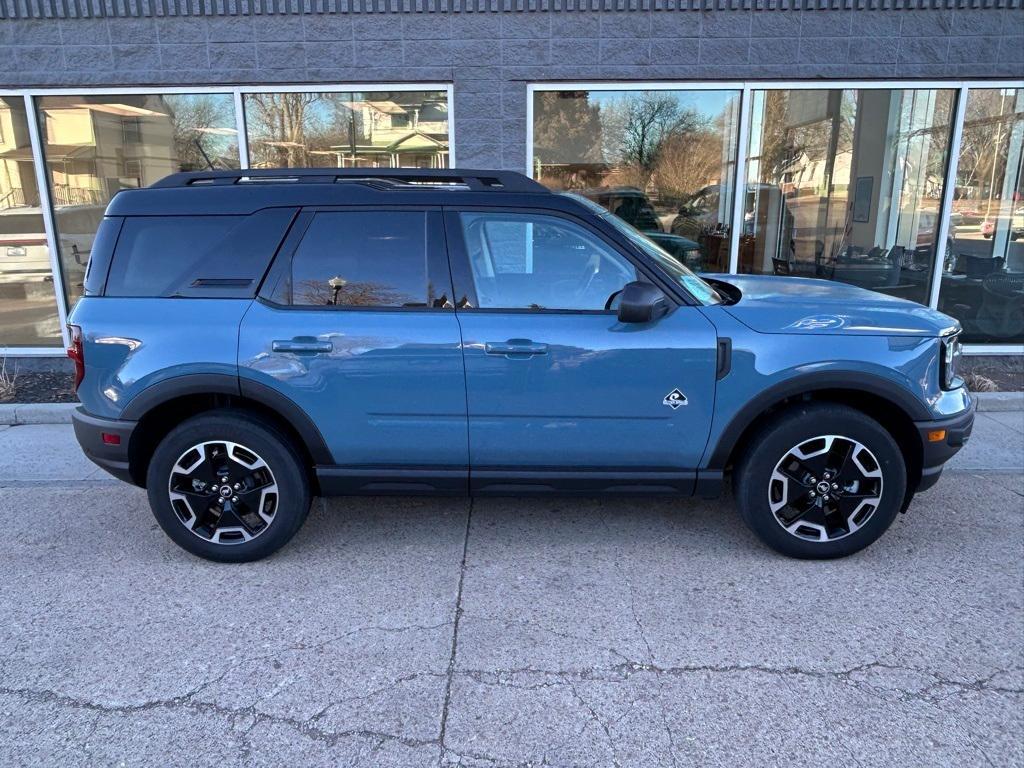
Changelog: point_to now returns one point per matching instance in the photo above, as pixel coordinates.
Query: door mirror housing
(641, 302)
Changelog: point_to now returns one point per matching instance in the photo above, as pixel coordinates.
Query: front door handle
(515, 348)
(301, 346)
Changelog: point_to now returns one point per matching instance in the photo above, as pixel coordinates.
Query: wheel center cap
(824, 487)
(225, 491)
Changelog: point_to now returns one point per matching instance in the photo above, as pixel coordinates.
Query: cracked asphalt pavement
(509, 632)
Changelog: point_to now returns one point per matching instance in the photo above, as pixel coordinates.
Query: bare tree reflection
(284, 128)
(344, 293)
(203, 131)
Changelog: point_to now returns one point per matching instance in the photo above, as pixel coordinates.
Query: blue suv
(250, 339)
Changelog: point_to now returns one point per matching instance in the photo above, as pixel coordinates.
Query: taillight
(77, 353)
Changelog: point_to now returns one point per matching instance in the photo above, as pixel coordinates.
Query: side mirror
(641, 302)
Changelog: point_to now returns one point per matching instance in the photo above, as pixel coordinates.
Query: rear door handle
(301, 346)
(515, 348)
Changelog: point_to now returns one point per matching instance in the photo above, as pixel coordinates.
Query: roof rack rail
(392, 178)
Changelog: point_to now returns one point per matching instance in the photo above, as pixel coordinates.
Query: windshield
(698, 288)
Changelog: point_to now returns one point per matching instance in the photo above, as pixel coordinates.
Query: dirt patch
(38, 387)
(994, 374)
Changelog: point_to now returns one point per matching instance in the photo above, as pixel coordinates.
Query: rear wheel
(228, 487)
(820, 481)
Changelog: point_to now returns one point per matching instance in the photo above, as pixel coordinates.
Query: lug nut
(237, 486)
(835, 486)
(234, 498)
(812, 494)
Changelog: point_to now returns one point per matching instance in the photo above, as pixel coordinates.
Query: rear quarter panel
(131, 344)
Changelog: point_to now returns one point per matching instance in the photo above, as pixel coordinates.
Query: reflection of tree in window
(567, 139)
(284, 127)
(203, 128)
(351, 294)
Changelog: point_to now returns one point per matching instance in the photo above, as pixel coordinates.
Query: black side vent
(724, 358)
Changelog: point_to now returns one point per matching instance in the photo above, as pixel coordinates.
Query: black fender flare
(808, 383)
(224, 384)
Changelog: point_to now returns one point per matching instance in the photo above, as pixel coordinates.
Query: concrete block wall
(491, 56)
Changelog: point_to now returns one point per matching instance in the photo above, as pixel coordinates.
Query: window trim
(961, 86)
(281, 267)
(29, 95)
(462, 271)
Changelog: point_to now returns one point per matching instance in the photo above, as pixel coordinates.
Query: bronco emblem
(674, 399)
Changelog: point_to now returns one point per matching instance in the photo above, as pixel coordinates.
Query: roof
(242, 192)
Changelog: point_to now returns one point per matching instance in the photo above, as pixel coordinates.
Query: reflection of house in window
(16, 173)
(95, 148)
(131, 129)
(388, 134)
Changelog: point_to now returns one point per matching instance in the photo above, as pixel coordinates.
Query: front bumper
(113, 458)
(936, 453)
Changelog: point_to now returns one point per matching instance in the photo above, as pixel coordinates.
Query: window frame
(438, 270)
(462, 270)
(962, 88)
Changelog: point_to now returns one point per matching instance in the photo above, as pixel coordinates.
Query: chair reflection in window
(1001, 314)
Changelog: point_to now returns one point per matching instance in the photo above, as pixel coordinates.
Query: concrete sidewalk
(509, 632)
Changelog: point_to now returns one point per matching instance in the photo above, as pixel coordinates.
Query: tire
(803, 443)
(210, 518)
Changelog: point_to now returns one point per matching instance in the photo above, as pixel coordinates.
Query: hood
(801, 305)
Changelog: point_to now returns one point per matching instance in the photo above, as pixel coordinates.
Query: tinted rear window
(99, 255)
(196, 256)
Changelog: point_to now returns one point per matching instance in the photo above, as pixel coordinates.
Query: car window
(362, 259)
(533, 261)
(208, 256)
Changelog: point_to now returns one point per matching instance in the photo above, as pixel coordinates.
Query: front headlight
(951, 350)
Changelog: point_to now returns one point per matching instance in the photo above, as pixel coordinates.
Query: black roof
(246, 191)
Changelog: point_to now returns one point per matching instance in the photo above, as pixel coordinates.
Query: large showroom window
(664, 160)
(97, 145)
(847, 185)
(983, 282)
(852, 183)
(379, 129)
(28, 306)
(85, 146)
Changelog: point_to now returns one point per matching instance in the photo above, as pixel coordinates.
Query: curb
(14, 414)
(1000, 401)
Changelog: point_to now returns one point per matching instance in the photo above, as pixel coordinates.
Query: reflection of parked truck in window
(24, 257)
(633, 206)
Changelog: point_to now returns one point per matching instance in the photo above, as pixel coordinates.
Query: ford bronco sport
(249, 339)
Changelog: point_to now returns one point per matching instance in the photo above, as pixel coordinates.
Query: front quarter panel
(133, 344)
(905, 369)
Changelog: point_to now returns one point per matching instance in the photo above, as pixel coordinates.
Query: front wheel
(228, 486)
(820, 481)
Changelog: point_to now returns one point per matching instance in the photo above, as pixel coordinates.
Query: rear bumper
(90, 431)
(935, 453)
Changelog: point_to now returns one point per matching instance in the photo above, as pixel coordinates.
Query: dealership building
(873, 142)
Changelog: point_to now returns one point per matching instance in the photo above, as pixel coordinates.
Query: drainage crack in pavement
(208, 707)
(455, 638)
(623, 672)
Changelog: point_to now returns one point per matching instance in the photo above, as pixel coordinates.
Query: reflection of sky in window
(709, 104)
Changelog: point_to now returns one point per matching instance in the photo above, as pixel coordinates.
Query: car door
(561, 395)
(355, 325)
